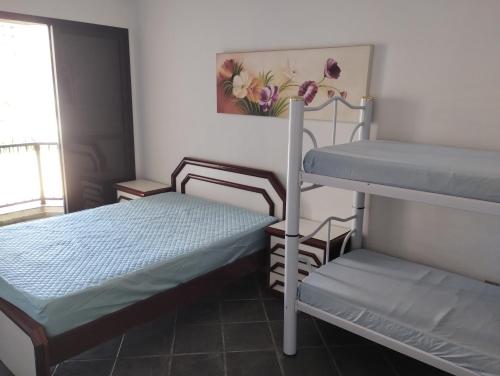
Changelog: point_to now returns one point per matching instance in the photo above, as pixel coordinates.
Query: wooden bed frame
(28, 350)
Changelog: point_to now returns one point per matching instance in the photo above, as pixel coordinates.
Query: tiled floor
(238, 333)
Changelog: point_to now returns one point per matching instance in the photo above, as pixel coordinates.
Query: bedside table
(134, 189)
(312, 253)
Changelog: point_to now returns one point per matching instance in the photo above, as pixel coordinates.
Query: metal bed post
(295, 131)
(358, 206)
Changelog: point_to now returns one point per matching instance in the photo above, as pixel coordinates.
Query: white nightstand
(131, 190)
(312, 252)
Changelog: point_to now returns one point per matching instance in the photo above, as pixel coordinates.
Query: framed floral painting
(260, 83)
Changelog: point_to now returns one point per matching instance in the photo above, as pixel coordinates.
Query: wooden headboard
(245, 187)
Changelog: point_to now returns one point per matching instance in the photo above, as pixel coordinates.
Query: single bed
(443, 314)
(450, 171)
(73, 281)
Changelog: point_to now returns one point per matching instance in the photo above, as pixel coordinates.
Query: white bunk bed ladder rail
(358, 205)
(294, 183)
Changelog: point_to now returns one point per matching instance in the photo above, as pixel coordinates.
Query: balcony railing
(30, 172)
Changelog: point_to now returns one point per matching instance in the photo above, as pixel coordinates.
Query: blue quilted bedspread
(65, 271)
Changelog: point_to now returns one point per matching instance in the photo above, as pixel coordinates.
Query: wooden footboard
(24, 346)
(27, 351)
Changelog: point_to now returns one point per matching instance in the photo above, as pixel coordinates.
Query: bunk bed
(443, 319)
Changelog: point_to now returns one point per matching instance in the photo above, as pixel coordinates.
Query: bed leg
(42, 360)
(290, 319)
(296, 125)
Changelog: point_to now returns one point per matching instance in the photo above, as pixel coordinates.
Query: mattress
(68, 270)
(451, 171)
(444, 314)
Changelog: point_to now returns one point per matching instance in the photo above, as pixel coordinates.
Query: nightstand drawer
(277, 274)
(316, 256)
(312, 253)
(306, 262)
(276, 282)
(125, 196)
(279, 268)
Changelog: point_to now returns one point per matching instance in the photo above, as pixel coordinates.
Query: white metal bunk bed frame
(296, 177)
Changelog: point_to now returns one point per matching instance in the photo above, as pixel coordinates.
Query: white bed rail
(294, 188)
(337, 99)
(364, 107)
(311, 136)
(328, 222)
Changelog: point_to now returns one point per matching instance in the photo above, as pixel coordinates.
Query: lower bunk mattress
(68, 270)
(450, 171)
(443, 314)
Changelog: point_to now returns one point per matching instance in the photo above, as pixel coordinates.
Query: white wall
(119, 13)
(435, 76)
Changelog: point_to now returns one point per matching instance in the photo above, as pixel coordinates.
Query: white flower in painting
(290, 70)
(241, 84)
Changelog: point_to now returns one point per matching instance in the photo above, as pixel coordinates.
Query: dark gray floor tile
(249, 336)
(307, 335)
(151, 339)
(266, 292)
(107, 350)
(197, 365)
(202, 312)
(269, 294)
(4, 371)
(198, 338)
(406, 366)
(274, 309)
(262, 277)
(253, 363)
(144, 366)
(335, 336)
(361, 361)
(310, 362)
(85, 368)
(242, 311)
(245, 288)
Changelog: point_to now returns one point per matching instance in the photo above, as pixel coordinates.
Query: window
(67, 92)
(29, 142)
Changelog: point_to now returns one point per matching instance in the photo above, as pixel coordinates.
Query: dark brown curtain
(92, 74)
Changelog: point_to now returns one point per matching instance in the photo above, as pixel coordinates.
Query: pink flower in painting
(332, 69)
(331, 93)
(226, 69)
(343, 94)
(308, 90)
(268, 96)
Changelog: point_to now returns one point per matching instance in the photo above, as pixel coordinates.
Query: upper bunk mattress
(451, 171)
(444, 314)
(68, 270)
